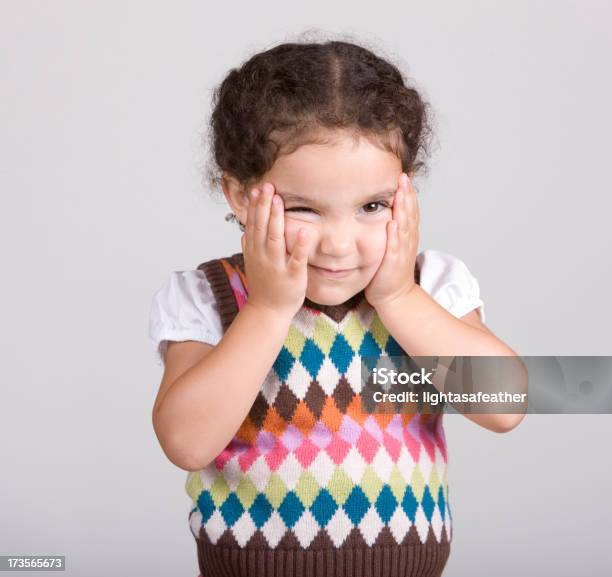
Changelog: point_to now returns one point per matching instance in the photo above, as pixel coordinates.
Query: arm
(433, 331)
(198, 411)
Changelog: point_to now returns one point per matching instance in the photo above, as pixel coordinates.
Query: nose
(336, 239)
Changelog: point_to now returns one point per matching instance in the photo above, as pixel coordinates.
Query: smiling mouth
(332, 273)
(332, 269)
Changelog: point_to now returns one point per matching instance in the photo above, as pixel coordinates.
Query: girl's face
(342, 193)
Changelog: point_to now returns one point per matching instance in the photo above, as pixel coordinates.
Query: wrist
(268, 315)
(402, 300)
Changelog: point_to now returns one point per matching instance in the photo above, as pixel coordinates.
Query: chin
(330, 297)
(326, 301)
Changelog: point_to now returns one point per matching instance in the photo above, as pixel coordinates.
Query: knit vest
(310, 485)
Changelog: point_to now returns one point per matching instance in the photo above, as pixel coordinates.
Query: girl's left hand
(395, 275)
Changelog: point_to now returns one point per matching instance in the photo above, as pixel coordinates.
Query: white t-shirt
(184, 308)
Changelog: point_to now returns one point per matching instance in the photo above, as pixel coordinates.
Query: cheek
(376, 243)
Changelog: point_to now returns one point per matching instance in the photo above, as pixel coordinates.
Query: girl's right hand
(276, 280)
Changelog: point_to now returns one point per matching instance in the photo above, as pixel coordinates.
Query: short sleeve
(183, 309)
(450, 283)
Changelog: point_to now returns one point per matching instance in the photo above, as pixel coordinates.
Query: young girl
(316, 145)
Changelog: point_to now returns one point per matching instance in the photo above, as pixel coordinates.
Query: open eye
(377, 202)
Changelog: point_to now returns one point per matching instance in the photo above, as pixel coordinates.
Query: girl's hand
(276, 280)
(395, 275)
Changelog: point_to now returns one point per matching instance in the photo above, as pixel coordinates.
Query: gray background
(102, 107)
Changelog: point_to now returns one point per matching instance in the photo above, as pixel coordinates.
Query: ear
(235, 196)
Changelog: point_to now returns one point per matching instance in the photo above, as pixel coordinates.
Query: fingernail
(276, 199)
(254, 193)
(405, 179)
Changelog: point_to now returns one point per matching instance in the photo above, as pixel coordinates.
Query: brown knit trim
(339, 311)
(404, 560)
(222, 290)
(228, 309)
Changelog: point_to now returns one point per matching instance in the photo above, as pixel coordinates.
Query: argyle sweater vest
(310, 484)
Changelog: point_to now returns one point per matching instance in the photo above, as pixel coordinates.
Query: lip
(328, 273)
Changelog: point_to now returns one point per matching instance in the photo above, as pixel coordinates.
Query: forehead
(344, 170)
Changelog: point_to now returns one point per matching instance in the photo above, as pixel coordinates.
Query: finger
(412, 205)
(249, 225)
(262, 216)
(397, 202)
(393, 238)
(299, 256)
(391, 225)
(413, 216)
(276, 228)
(243, 242)
(403, 219)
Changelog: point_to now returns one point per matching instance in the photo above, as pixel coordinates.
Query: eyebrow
(291, 197)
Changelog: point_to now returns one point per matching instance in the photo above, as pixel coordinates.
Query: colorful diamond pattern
(306, 458)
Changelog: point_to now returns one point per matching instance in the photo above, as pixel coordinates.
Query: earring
(231, 216)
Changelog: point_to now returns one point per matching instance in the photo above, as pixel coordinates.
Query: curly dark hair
(295, 93)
